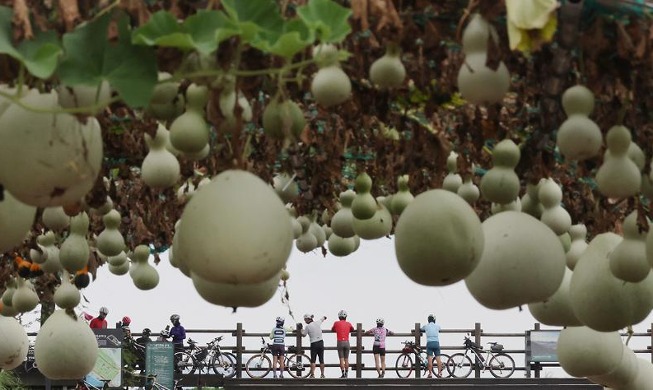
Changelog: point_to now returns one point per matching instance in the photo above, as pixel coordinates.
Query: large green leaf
(90, 58)
(254, 17)
(163, 30)
(294, 38)
(329, 20)
(208, 29)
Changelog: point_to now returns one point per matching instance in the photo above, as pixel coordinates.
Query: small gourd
(201, 155)
(402, 198)
(618, 176)
(105, 208)
(175, 257)
(578, 138)
(24, 298)
(55, 219)
(286, 187)
(327, 231)
(553, 215)
(15, 344)
(307, 241)
(296, 226)
(453, 180)
(364, 205)
(341, 247)
(49, 258)
(189, 132)
(469, 191)
(636, 155)
(343, 219)
(283, 119)
(380, 225)
(166, 103)
(16, 218)
(578, 245)
(330, 85)
(530, 202)
(144, 276)
(501, 184)
(628, 260)
(66, 296)
(119, 264)
(8, 294)
(74, 251)
(388, 71)
(186, 191)
(515, 205)
(285, 275)
(160, 168)
(477, 82)
(110, 242)
(316, 230)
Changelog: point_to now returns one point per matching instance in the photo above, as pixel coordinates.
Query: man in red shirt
(100, 321)
(342, 329)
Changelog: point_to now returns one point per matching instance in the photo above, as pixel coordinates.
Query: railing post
(418, 336)
(650, 347)
(239, 350)
(537, 365)
(359, 350)
(477, 340)
(298, 338)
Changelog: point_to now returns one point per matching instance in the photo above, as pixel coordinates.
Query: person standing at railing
(343, 328)
(178, 332)
(100, 322)
(378, 348)
(432, 331)
(278, 348)
(314, 331)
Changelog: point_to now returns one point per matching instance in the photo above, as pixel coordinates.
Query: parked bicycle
(211, 356)
(500, 364)
(412, 353)
(258, 366)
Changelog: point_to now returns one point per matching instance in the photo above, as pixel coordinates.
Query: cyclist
(378, 348)
(314, 331)
(278, 348)
(432, 331)
(100, 321)
(342, 328)
(178, 333)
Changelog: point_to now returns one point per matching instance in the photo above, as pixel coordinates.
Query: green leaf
(254, 17)
(163, 30)
(6, 45)
(208, 29)
(295, 37)
(329, 20)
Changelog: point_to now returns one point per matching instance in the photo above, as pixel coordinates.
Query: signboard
(108, 366)
(543, 345)
(159, 361)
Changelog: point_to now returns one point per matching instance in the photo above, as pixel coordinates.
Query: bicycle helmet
(308, 316)
(380, 321)
(342, 313)
(104, 310)
(126, 321)
(174, 317)
(147, 332)
(280, 320)
(431, 318)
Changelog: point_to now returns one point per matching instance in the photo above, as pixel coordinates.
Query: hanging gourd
(297, 229)
(285, 275)
(501, 184)
(618, 176)
(522, 262)
(176, 257)
(578, 245)
(388, 71)
(578, 138)
(453, 180)
(119, 264)
(65, 347)
(189, 133)
(110, 241)
(530, 202)
(166, 103)
(68, 152)
(640, 379)
(343, 219)
(49, 258)
(468, 190)
(553, 214)
(54, 218)
(556, 310)
(628, 260)
(14, 345)
(315, 229)
(624, 373)
(74, 251)
(103, 209)
(431, 255)
(16, 218)
(307, 241)
(8, 294)
(478, 82)
(85, 96)
(66, 296)
(251, 236)
(286, 187)
(341, 247)
(331, 85)
(24, 298)
(380, 225)
(515, 205)
(160, 168)
(636, 155)
(201, 155)
(402, 197)
(364, 205)
(584, 352)
(236, 295)
(283, 119)
(144, 276)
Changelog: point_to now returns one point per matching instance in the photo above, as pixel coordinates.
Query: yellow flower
(531, 23)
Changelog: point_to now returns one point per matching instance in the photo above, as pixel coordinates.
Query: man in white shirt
(314, 331)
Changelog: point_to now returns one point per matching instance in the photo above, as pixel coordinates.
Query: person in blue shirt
(432, 331)
(178, 332)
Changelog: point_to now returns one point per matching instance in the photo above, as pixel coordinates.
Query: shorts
(378, 350)
(317, 350)
(343, 349)
(278, 349)
(433, 348)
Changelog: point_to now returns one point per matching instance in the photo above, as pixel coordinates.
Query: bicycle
(84, 384)
(500, 364)
(259, 365)
(405, 361)
(150, 382)
(196, 357)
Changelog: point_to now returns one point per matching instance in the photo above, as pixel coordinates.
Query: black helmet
(431, 318)
(146, 332)
(174, 317)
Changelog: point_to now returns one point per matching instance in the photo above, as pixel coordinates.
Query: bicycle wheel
(404, 365)
(298, 365)
(459, 365)
(444, 358)
(258, 366)
(224, 364)
(185, 363)
(502, 365)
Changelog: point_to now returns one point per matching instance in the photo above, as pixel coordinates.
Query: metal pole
(477, 340)
(418, 336)
(239, 350)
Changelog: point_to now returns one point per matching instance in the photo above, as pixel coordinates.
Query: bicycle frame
(478, 359)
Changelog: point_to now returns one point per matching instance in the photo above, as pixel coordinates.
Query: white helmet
(342, 313)
(104, 310)
(308, 316)
(380, 321)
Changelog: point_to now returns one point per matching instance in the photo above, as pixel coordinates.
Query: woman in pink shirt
(378, 348)
(342, 329)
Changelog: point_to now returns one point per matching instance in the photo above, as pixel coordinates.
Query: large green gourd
(74, 250)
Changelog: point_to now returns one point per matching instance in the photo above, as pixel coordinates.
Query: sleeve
(351, 327)
(423, 328)
(289, 329)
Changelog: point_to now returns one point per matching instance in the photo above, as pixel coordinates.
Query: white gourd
(565, 239)
(166, 103)
(14, 346)
(201, 155)
(522, 262)
(285, 275)
(160, 168)
(478, 83)
(431, 255)
(331, 86)
(50, 256)
(618, 176)
(364, 205)
(24, 298)
(624, 372)
(316, 230)
(8, 294)
(380, 225)
(584, 352)
(144, 276)
(553, 214)
(578, 138)
(37, 256)
(515, 205)
(453, 180)
(469, 191)
(530, 202)
(307, 241)
(402, 198)
(251, 236)
(325, 217)
(642, 379)
(110, 242)
(189, 132)
(556, 310)
(119, 264)
(74, 251)
(283, 119)
(236, 295)
(16, 218)
(599, 299)
(65, 347)
(176, 257)
(636, 155)
(105, 208)
(85, 96)
(628, 260)
(342, 222)
(578, 245)
(327, 231)
(500, 184)
(388, 71)
(69, 153)
(66, 296)
(54, 218)
(341, 247)
(296, 227)
(286, 187)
